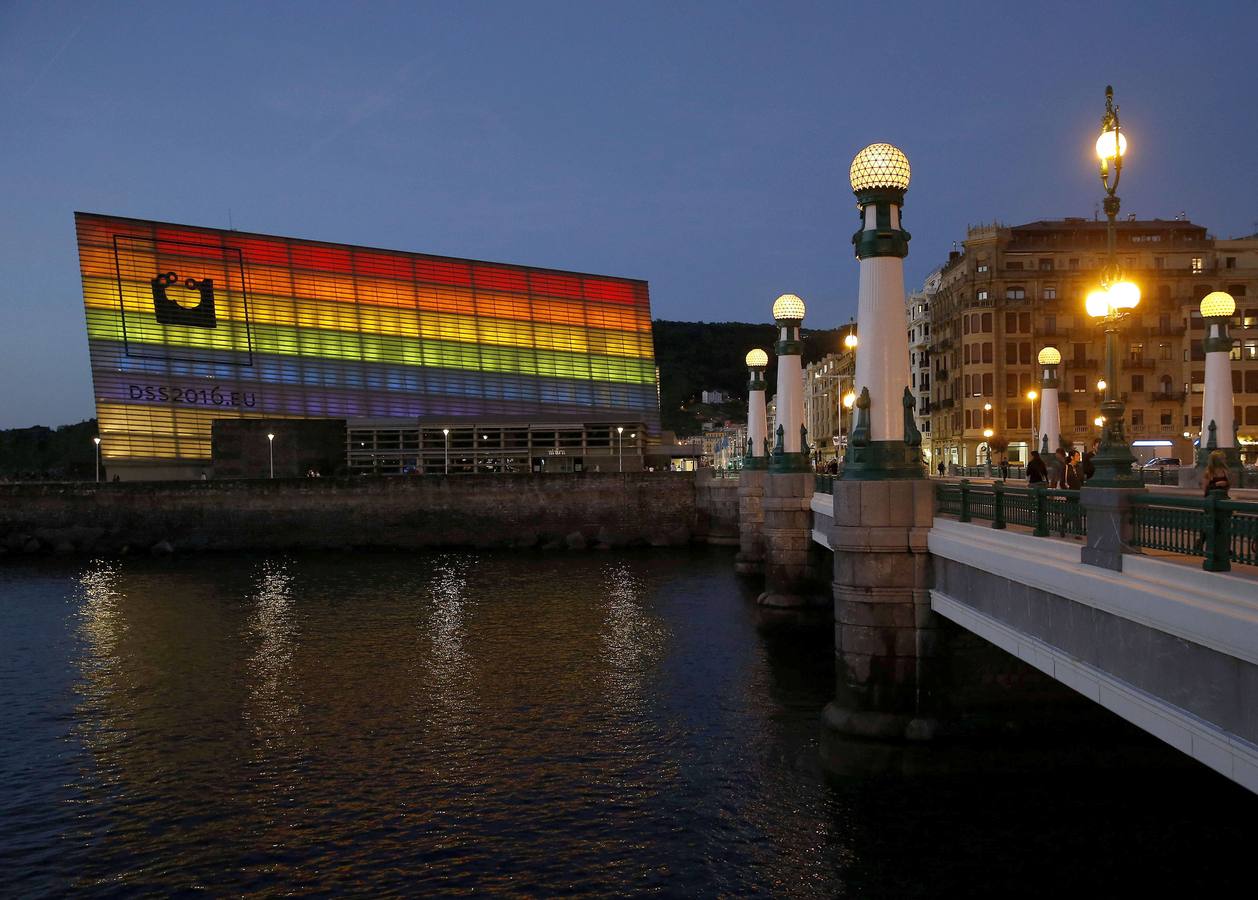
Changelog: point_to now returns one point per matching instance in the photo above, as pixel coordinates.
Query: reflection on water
(526, 724)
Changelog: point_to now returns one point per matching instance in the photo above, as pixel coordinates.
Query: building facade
(1013, 290)
(917, 314)
(190, 325)
(825, 383)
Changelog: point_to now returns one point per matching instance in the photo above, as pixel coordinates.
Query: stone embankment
(577, 511)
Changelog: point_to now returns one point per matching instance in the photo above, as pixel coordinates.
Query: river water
(601, 723)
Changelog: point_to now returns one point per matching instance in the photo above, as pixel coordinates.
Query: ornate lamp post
(885, 442)
(756, 456)
(1049, 435)
(1032, 396)
(790, 453)
(1218, 422)
(1111, 303)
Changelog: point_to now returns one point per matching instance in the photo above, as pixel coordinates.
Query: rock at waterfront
(162, 548)
(576, 541)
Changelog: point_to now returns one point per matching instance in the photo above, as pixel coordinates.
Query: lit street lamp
(620, 448)
(1218, 419)
(989, 434)
(446, 432)
(97, 442)
(1111, 303)
(1032, 395)
(270, 445)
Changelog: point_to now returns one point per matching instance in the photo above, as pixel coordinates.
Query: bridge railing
(1043, 510)
(824, 484)
(1219, 530)
(1222, 531)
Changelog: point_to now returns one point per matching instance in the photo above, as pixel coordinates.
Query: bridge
(1148, 607)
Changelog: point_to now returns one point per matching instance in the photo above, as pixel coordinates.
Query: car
(1159, 462)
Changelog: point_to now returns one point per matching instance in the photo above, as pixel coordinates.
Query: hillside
(699, 356)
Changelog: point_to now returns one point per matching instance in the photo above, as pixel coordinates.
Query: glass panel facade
(187, 325)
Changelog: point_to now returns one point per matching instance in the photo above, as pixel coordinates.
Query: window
(1024, 353)
(1081, 417)
(1011, 354)
(987, 323)
(982, 267)
(1137, 384)
(982, 295)
(1167, 418)
(965, 355)
(1011, 322)
(1251, 350)
(1080, 384)
(1074, 264)
(1137, 417)
(965, 324)
(1229, 262)
(1251, 381)
(988, 383)
(1165, 351)
(1136, 352)
(1198, 264)
(1081, 353)
(1251, 415)
(1050, 324)
(1016, 266)
(1011, 419)
(1234, 353)
(1011, 385)
(1159, 262)
(1050, 292)
(1024, 323)
(1015, 293)
(1236, 290)
(987, 352)
(1046, 265)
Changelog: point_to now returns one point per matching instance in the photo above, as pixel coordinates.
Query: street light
(446, 432)
(988, 434)
(97, 442)
(1035, 429)
(270, 446)
(851, 340)
(620, 448)
(1100, 385)
(1218, 417)
(1111, 303)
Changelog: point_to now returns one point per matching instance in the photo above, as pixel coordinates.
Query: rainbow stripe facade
(187, 325)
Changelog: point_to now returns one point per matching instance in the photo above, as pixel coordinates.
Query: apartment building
(1012, 290)
(917, 314)
(828, 421)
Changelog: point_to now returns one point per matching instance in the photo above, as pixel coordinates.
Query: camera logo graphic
(170, 312)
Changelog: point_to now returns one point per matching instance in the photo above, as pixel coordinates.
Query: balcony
(947, 403)
(1139, 362)
(1169, 331)
(1171, 397)
(1083, 364)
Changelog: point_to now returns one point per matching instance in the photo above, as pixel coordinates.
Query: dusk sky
(702, 147)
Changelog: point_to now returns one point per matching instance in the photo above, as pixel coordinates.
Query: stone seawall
(572, 511)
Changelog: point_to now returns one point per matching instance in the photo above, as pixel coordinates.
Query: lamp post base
(883, 460)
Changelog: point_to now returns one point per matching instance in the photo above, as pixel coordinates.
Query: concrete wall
(716, 500)
(576, 510)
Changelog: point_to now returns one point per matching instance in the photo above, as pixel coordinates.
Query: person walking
(1088, 468)
(942, 468)
(1036, 470)
(1215, 477)
(1057, 472)
(1072, 479)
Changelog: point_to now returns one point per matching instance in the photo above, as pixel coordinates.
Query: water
(526, 724)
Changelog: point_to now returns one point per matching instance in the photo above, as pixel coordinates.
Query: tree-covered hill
(708, 356)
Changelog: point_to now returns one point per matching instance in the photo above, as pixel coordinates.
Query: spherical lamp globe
(757, 359)
(850, 341)
(1050, 356)
(1124, 295)
(849, 399)
(1098, 304)
(1218, 303)
(879, 166)
(1105, 145)
(788, 307)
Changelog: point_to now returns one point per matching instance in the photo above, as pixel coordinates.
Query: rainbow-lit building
(190, 325)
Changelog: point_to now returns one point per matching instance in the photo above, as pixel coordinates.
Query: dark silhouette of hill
(708, 356)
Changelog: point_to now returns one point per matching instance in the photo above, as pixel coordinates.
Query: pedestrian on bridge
(1036, 470)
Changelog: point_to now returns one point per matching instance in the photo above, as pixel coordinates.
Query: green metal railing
(1220, 530)
(824, 484)
(1040, 509)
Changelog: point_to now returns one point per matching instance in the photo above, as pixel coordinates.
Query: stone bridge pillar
(750, 558)
(883, 505)
(788, 485)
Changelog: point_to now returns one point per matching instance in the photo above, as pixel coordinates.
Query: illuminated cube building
(191, 325)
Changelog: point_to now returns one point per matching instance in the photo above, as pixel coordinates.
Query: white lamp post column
(1050, 410)
(885, 442)
(757, 453)
(1218, 422)
(789, 454)
(97, 441)
(446, 433)
(270, 444)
